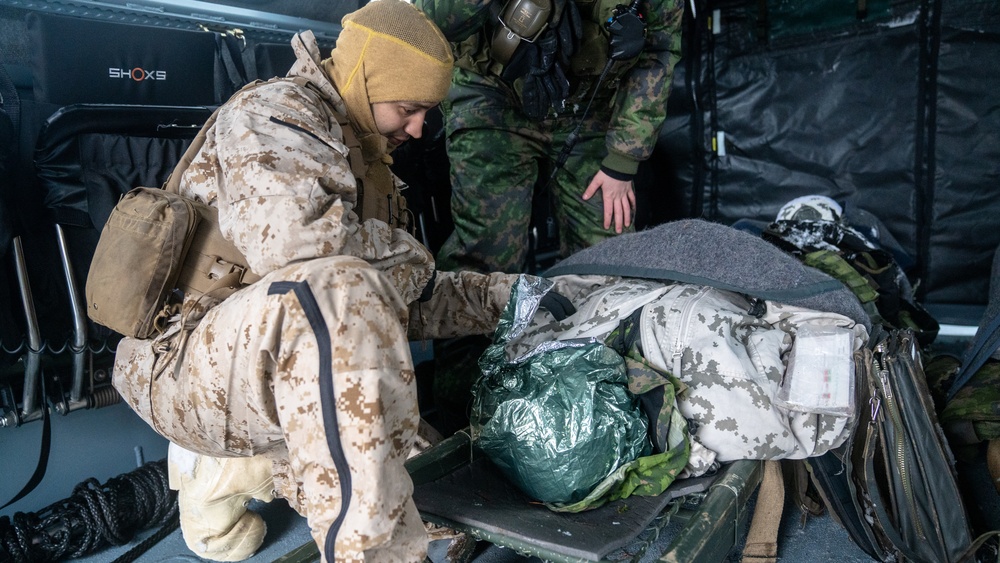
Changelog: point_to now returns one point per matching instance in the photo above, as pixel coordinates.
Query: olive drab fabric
(968, 388)
(310, 366)
(500, 153)
(973, 414)
(849, 255)
(501, 184)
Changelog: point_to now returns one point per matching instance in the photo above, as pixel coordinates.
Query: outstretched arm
(462, 304)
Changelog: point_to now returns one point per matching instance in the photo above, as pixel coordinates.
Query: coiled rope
(95, 516)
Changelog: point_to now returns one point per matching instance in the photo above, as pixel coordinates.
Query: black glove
(557, 305)
(543, 63)
(628, 34)
(546, 84)
(569, 30)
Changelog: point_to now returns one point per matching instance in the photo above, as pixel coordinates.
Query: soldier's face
(400, 121)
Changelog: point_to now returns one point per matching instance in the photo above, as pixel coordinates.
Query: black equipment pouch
(893, 483)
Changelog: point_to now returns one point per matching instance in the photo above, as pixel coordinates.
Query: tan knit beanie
(392, 50)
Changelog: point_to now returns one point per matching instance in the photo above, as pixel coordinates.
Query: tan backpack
(158, 247)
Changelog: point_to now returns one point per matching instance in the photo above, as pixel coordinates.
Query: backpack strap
(358, 165)
(174, 180)
(762, 539)
(213, 261)
(359, 168)
(213, 258)
(378, 196)
(43, 457)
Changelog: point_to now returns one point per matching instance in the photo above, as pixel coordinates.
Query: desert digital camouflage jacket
(276, 166)
(631, 102)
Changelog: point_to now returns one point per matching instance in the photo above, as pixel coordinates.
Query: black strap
(987, 339)
(43, 455)
(10, 117)
(9, 100)
(234, 69)
(146, 544)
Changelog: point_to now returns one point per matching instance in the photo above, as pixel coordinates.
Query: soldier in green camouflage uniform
(498, 154)
(308, 370)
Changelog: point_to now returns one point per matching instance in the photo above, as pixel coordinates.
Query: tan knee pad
(212, 495)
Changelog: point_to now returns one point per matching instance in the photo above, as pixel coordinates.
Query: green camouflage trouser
(496, 163)
(494, 171)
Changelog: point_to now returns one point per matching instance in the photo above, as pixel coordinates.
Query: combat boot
(212, 495)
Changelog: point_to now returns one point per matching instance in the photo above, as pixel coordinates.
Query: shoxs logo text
(138, 74)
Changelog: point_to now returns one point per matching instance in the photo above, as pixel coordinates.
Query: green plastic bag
(560, 419)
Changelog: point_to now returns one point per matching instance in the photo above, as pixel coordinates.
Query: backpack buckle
(221, 268)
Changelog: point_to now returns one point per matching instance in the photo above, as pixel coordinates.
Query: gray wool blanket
(704, 253)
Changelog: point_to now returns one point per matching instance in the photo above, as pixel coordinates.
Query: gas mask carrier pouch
(520, 20)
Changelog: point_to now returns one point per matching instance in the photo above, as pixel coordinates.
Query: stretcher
(456, 488)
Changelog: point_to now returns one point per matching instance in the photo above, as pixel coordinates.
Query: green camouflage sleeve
(458, 19)
(641, 104)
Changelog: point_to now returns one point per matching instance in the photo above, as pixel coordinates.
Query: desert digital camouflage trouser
(495, 164)
(311, 366)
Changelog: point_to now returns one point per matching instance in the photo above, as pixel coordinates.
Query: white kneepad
(212, 495)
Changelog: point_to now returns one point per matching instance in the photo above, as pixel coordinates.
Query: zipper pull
(883, 376)
(677, 364)
(876, 407)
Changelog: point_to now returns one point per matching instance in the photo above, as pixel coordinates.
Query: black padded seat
(88, 155)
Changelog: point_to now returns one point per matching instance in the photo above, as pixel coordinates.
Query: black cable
(143, 547)
(627, 29)
(574, 135)
(93, 517)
